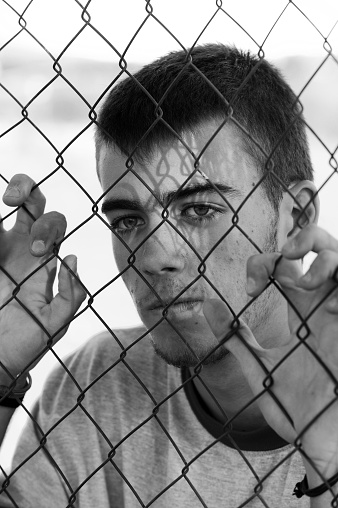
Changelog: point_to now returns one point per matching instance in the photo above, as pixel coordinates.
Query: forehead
(221, 158)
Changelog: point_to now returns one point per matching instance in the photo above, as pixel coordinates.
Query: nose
(163, 252)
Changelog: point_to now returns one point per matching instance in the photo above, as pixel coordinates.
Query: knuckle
(22, 181)
(42, 197)
(49, 225)
(56, 223)
(56, 217)
(260, 267)
(311, 228)
(41, 228)
(253, 262)
(21, 178)
(82, 292)
(309, 231)
(326, 257)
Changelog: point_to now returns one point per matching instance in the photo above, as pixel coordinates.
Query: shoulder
(109, 345)
(104, 350)
(109, 360)
(113, 377)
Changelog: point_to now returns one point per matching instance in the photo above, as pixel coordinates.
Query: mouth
(180, 305)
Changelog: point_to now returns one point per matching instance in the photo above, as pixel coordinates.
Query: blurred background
(300, 37)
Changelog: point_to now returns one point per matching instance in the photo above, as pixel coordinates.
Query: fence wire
(93, 442)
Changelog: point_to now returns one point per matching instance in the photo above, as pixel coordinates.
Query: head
(180, 91)
(219, 112)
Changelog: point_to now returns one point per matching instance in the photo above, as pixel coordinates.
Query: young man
(208, 192)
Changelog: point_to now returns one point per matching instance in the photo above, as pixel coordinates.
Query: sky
(302, 25)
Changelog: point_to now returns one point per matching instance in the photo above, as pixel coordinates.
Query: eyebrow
(216, 188)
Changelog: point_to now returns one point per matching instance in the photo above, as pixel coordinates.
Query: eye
(196, 211)
(126, 224)
(200, 210)
(201, 213)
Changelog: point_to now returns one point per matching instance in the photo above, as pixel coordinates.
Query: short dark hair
(198, 85)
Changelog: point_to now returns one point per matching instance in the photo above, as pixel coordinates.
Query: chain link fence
(115, 427)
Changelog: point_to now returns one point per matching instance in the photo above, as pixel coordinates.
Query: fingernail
(250, 285)
(38, 246)
(12, 192)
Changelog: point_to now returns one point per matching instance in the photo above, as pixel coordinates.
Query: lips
(180, 303)
(170, 294)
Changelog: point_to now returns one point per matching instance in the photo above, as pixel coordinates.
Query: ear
(304, 200)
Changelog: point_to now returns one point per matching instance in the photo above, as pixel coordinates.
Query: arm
(32, 315)
(301, 373)
(34, 480)
(324, 500)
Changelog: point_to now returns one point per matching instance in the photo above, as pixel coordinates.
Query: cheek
(118, 250)
(121, 255)
(228, 262)
(131, 281)
(129, 275)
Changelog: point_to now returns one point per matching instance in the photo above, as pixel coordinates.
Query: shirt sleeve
(36, 479)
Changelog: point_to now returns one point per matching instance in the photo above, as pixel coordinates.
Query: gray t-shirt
(110, 436)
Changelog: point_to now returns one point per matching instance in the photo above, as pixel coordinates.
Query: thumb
(70, 296)
(234, 333)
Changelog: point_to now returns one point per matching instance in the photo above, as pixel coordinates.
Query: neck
(225, 392)
(223, 387)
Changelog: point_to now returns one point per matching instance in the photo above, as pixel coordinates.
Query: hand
(304, 381)
(24, 251)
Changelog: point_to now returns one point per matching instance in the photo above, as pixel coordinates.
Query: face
(182, 241)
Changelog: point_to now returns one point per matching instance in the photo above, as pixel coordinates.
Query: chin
(183, 338)
(188, 353)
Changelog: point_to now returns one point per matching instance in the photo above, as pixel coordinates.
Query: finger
(323, 268)
(21, 191)
(255, 362)
(46, 231)
(220, 319)
(70, 294)
(331, 304)
(311, 238)
(261, 266)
